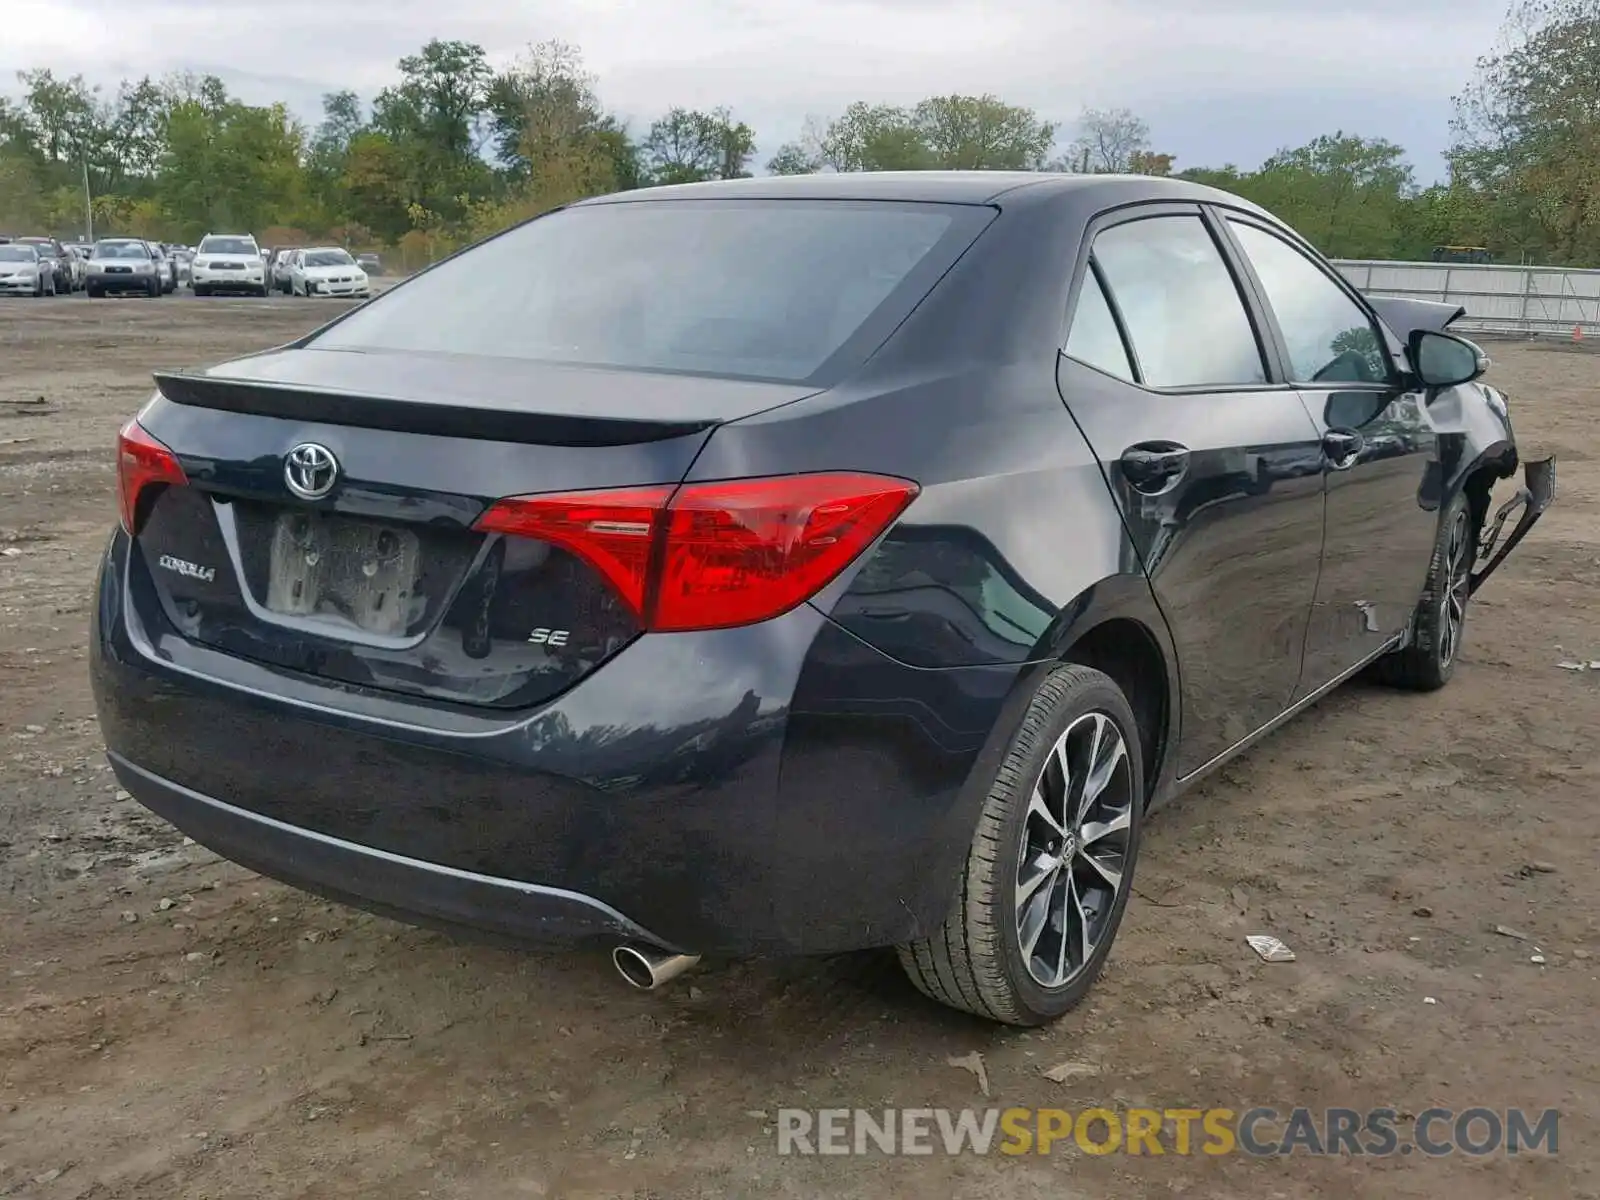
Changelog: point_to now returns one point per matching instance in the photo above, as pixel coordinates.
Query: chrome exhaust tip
(647, 969)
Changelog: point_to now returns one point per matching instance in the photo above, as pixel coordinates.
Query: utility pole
(88, 203)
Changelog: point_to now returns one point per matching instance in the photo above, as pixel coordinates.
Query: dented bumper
(1536, 494)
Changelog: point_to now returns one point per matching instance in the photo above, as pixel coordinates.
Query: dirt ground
(173, 1026)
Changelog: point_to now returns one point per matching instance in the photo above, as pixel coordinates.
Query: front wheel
(1429, 661)
(1051, 863)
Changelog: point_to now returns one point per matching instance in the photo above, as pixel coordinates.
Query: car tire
(155, 289)
(200, 291)
(1428, 662)
(981, 960)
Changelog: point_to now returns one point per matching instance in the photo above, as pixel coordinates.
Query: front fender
(1474, 427)
(1475, 435)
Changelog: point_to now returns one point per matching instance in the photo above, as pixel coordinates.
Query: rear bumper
(778, 788)
(391, 884)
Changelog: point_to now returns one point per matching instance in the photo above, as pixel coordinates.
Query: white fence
(1498, 299)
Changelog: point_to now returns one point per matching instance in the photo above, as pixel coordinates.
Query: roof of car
(949, 187)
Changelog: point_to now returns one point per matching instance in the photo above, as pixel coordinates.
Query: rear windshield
(767, 289)
(227, 245)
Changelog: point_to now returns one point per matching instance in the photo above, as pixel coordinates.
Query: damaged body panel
(1477, 447)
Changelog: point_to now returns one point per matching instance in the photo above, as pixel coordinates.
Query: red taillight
(713, 555)
(141, 460)
(613, 532)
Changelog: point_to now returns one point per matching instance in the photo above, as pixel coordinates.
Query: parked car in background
(370, 263)
(78, 261)
(327, 271)
(165, 267)
(795, 564)
(123, 265)
(24, 272)
(54, 254)
(183, 261)
(229, 262)
(279, 268)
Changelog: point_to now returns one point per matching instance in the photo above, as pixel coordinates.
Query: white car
(21, 270)
(327, 271)
(226, 262)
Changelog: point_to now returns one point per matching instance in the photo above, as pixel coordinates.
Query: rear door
(1213, 460)
(1378, 446)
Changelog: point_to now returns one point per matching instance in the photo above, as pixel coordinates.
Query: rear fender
(1117, 607)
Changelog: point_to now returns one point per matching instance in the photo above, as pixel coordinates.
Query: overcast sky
(1217, 80)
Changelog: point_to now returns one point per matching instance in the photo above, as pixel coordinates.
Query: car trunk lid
(362, 566)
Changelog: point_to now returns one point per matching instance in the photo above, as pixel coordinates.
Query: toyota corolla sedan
(793, 565)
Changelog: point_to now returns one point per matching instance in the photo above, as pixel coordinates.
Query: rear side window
(1329, 336)
(1094, 338)
(769, 289)
(1179, 304)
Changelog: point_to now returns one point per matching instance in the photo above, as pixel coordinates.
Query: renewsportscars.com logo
(1257, 1132)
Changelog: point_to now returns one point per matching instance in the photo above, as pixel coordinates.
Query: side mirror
(1444, 360)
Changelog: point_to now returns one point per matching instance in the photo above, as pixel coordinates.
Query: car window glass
(1094, 338)
(1329, 336)
(1179, 304)
(762, 288)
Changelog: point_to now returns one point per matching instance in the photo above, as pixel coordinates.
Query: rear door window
(1180, 305)
(1094, 338)
(769, 289)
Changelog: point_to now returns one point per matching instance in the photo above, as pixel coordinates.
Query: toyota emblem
(310, 470)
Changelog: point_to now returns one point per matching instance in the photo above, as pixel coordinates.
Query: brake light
(713, 555)
(141, 461)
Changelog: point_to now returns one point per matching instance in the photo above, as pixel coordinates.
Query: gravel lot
(173, 1026)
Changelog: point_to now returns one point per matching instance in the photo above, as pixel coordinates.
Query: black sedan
(792, 565)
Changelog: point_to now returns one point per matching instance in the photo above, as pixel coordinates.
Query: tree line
(454, 150)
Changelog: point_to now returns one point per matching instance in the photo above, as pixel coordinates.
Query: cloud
(1225, 80)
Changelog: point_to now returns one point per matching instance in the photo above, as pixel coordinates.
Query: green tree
(435, 117)
(981, 133)
(1344, 194)
(873, 137)
(229, 165)
(687, 146)
(1526, 134)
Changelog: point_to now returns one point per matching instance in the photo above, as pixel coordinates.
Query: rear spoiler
(461, 417)
(1405, 315)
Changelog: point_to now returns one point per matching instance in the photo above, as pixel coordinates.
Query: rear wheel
(1051, 863)
(1428, 663)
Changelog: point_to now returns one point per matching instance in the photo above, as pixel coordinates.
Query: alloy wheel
(1074, 857)
(1457, 588)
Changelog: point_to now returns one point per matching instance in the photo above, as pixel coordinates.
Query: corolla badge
(310, 470)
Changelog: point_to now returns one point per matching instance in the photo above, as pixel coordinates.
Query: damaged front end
(1535, 495)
